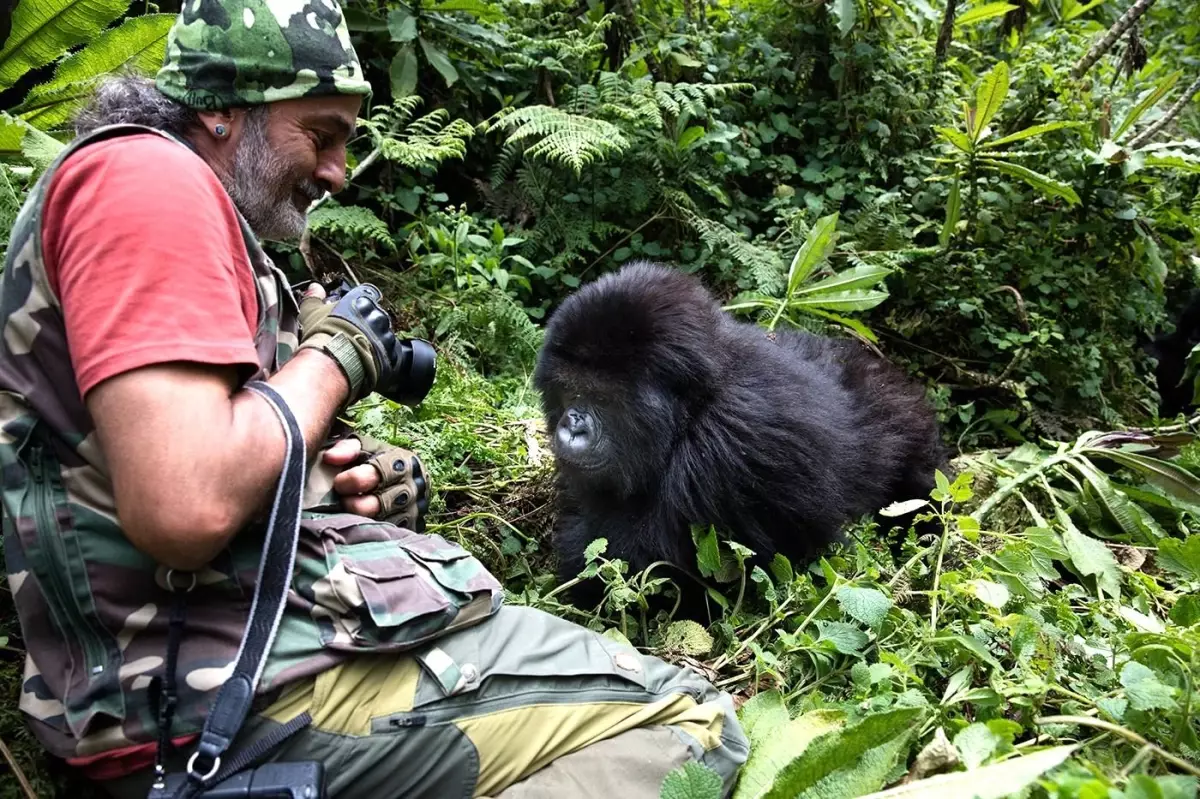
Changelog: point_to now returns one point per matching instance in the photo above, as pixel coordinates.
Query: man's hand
(376, 480)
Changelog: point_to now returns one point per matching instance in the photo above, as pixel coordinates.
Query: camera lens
(422, 368)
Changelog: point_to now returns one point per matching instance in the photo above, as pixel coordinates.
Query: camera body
(298, 780)
(417, 357)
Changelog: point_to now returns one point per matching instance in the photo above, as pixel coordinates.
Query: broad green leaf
(775, 744)
(953, 213)
(1090, 557)
(1144, 690)
(762, 715)
(40, 148)
(477, 8)
(136, 45)
(971, 645)
(43, 30)
(1182, 163)
(858, 277)
(1030, 132)
(992, 594)
(403, 72)
(692, 780)
(814, 250)
(1076, 8)
(685, 60)
(689, 137)
(1114, 502)
(868, 605)
(984, 12)
(688, 637)
(12, 135)
(19, 139)
(846, 638)
(855, 325)
(1152, 97)
(439, 61)
(402, 25)
(976, 743)
(708, 550)
(1186, 611)
(595, 549)
(996, 781)
(10, 205)
(989, 97)
(848, 762)
(1046, 185)
(855, 300)
(1170, 477)
(1181, 558)
(846, 12)
(956, 137)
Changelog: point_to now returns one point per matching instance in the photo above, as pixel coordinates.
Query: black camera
(300, 780)
(418, 358)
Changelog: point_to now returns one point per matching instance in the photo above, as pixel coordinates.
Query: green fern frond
(427, 143)
(696, 99)
(422, 142)
(490, 327)
(510, 154)
(764, 266)
(352, 222)
(562, 138)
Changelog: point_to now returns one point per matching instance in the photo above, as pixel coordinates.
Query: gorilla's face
(619, 440)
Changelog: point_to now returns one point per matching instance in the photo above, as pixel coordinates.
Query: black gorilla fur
(664, 411)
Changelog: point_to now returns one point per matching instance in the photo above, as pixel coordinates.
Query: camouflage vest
(93, 609)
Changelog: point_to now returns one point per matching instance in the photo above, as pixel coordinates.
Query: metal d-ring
(191, 767)
(171, 582)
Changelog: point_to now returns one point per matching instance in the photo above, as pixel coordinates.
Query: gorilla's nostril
(573, 437)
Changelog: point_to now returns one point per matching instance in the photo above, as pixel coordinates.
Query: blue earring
(219, 130)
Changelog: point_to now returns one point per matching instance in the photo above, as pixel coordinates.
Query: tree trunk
(946, 34)
(1109, 39)
(1146, 135)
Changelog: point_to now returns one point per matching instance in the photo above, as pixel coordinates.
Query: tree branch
(1109, 39)
(1146, 135)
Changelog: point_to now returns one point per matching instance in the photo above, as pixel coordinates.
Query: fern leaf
(42, 30)
(353, 222)
(137, 46)
(764, 266)
(563, 138)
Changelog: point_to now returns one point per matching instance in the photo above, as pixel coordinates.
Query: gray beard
(261, 185)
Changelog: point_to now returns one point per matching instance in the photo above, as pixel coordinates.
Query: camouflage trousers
(521, 706)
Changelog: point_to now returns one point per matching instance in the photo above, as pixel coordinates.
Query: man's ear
(222, 126)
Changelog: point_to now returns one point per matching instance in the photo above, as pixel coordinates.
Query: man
(136, 304)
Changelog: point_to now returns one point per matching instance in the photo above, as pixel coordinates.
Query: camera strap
(236, 696)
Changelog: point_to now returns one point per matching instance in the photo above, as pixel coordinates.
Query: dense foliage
(1002, 196)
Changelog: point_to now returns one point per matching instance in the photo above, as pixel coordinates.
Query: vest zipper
(57, 570)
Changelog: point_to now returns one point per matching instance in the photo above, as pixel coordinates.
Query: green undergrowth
(1041, 633)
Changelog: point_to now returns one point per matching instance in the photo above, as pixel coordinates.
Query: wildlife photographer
(158, 383)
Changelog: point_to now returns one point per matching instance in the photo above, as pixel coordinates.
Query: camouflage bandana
(227, 53)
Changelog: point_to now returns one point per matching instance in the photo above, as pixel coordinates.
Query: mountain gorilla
(664, 412)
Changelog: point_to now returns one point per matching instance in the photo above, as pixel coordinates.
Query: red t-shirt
(142, 247)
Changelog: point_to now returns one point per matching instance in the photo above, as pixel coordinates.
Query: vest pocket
(377, 587)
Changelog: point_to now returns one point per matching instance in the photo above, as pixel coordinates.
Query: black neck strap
(236, 696)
